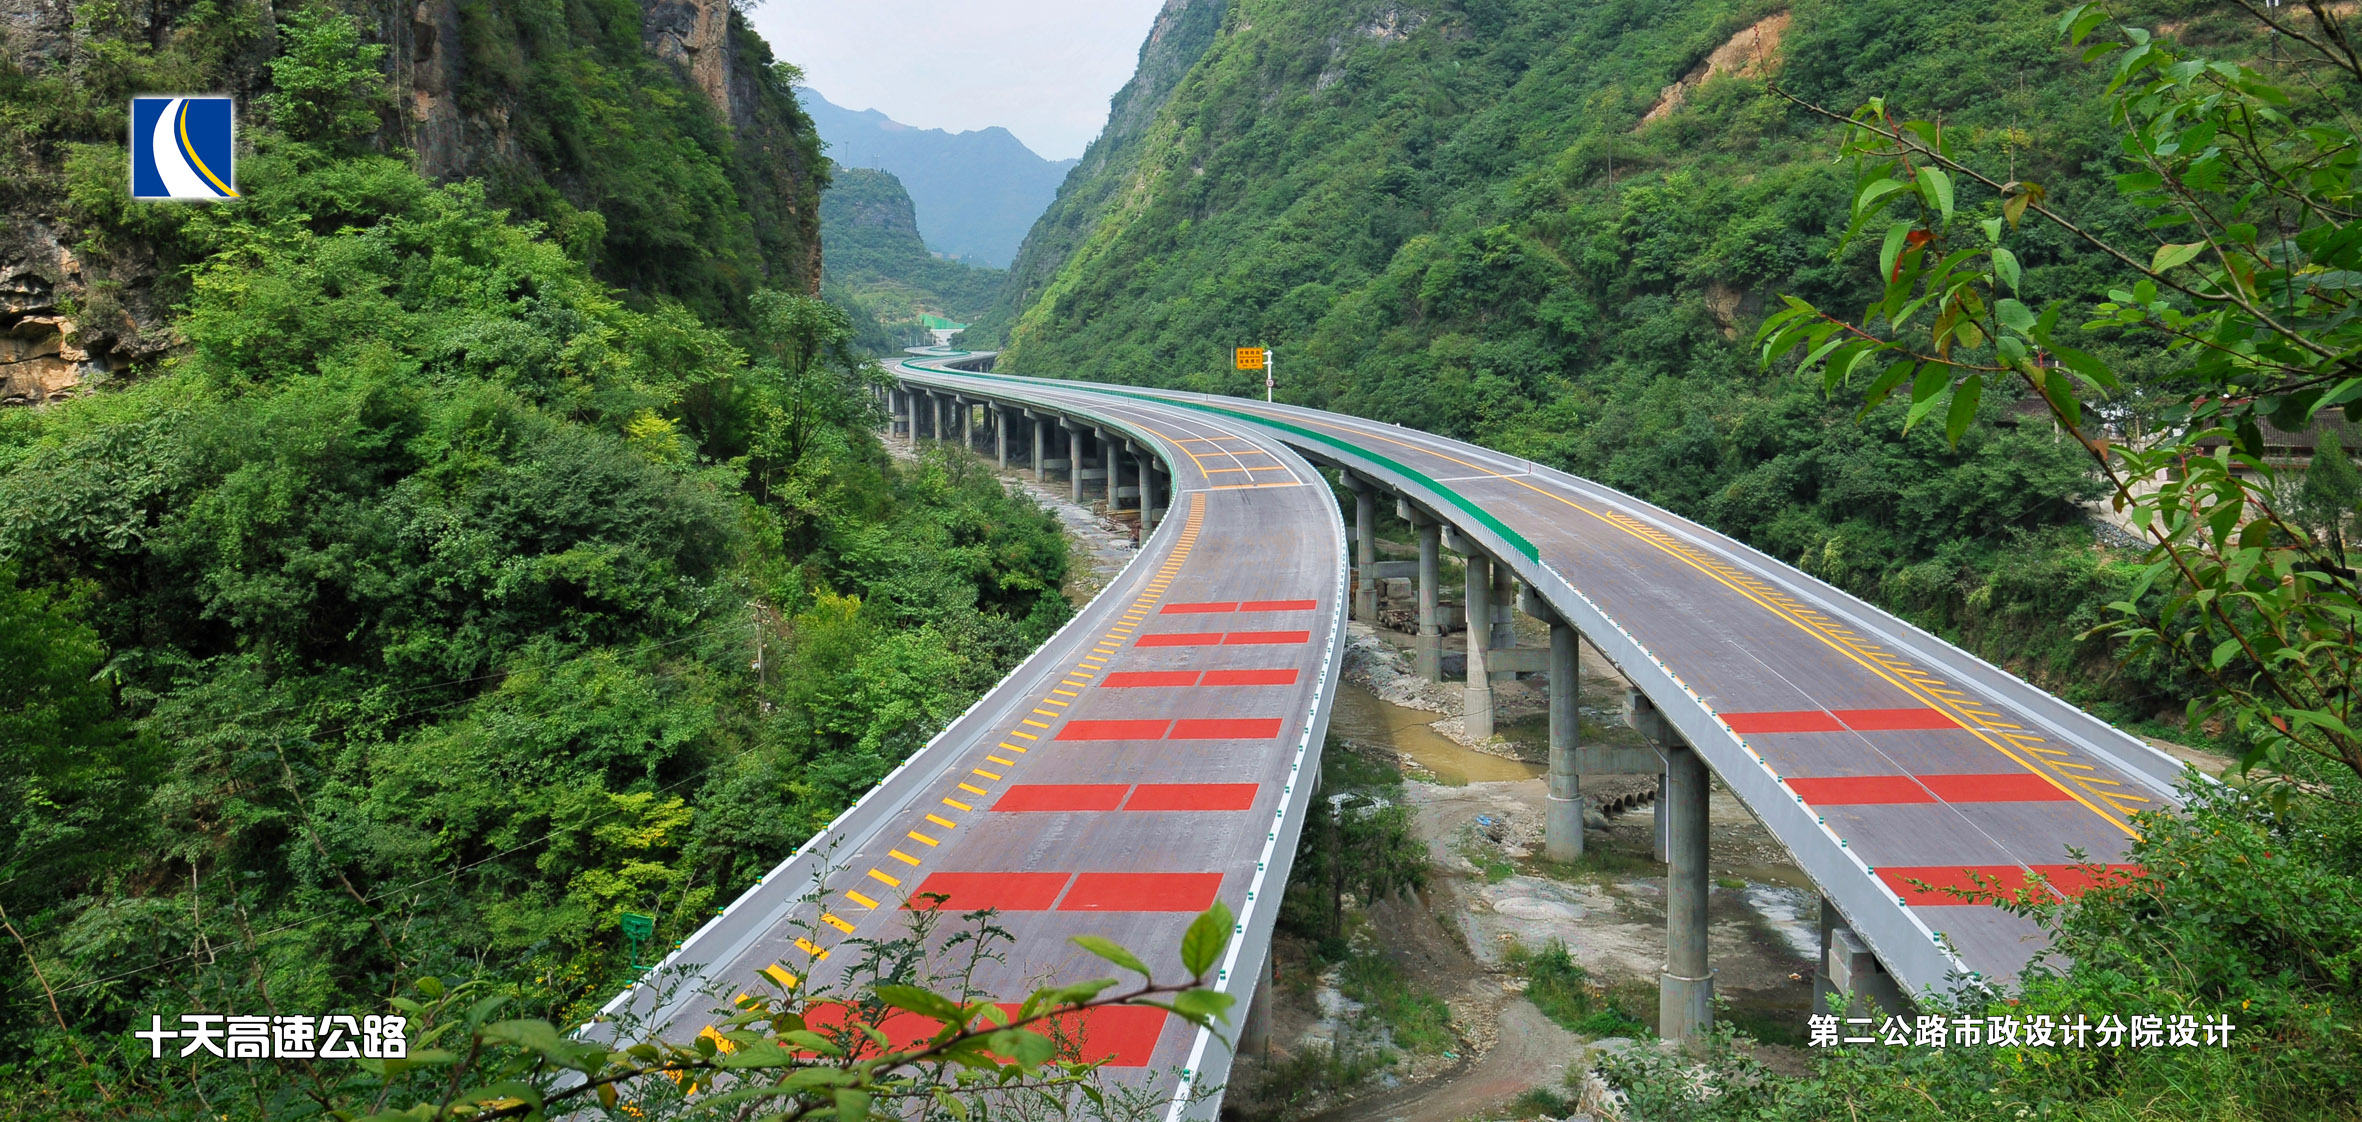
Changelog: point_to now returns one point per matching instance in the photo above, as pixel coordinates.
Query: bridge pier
(1685, 990)
(1074, 462)
(1145, 465)
(1000, 429)
(1847, 966)
(1504, 622)
(1034, 423)
(1365, 546)
(1476, 700)
(1254, 1036)
(1428, 659)
(1562, 822)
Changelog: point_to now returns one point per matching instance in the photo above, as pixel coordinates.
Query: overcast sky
(1042, 69)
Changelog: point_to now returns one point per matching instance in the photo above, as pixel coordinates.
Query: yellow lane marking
(779, 974)
(955, 804)
(920, 838)
(946, 823)
(1034, 723)
(888, 881)
(831, 920)
(809, 947)
(1026, 735)
(1000, 761)
(973, 789)
(905, 858)
(1012, 747)
(984, 773)
(1770, 599)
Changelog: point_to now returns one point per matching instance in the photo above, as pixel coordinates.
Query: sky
(1043, 69)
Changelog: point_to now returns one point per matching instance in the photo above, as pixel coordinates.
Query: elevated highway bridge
(1159, 752)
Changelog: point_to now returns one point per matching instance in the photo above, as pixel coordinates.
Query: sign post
(1259, 358)
(636, 929)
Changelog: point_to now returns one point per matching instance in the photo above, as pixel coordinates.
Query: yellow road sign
(1250, 358)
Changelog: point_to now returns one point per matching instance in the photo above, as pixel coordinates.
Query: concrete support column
(967, 411)
(1110, 459)
(921, 423)
(1477, 698)
(1685, 992)
(1365, 548)
(1254, 1037)
(1146, 465)
(1504, 605)
(1074, 462)
(1429, 659)
(1035, 423)
(1562, 824)
(1848, 967)
(1001, 429)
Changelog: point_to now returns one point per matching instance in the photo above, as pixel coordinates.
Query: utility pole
(1270, 364)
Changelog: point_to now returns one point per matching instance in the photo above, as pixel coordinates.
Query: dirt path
(1530, 1051)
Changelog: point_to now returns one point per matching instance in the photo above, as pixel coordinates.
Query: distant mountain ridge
(976, 193)
(874, 259)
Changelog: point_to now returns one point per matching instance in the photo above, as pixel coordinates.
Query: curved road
(1148, 758)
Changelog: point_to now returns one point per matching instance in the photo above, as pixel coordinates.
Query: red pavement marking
(1239, 638)
(1192, 796)
(1113, 730)
(1141, 892)
(2010, 880)
(1179, 639)
(1010, 892)
(1124, 1034)
(1889, 720)
(2073, 879)
(1150, 678)
(1800, 720)
(1279, 605)
(1849, 790)
(1190, 609)
(2014, 787)
(1250, 678)
(1062, 796)
(1225, 728)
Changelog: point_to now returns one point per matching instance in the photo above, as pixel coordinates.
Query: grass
(1565, 993)
(1416, 1019)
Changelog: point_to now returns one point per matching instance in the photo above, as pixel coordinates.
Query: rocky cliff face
(75, 306)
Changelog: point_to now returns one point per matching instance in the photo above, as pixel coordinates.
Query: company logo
(180, 148)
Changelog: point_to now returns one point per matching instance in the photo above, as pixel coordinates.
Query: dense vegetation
(873, 254)
(300, 626)
(1457, 217)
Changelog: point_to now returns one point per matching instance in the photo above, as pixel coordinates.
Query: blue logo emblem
(180, 148)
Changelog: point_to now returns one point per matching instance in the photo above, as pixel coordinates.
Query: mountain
(976, 192)
(872, 255)
(1553, 228)
(1180, 35)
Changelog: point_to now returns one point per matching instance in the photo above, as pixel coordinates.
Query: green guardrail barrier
(1483, 517)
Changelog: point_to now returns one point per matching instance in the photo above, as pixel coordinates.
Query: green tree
(327, 89)
(812, 379)
(2252, 171)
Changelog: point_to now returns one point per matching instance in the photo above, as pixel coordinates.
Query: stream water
(1361, 716)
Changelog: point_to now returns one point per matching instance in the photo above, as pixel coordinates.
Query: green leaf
(429, 985)
(1964, 408)
(1936, 188)
(1112, 951)
(1888, 379)
(2013, 315)
(1202, 944)
(2005, 266)
(1027, 1048)
(1203, 1005)
(540, 1036)
(1927, 392)
(950, 1105)
(2170, 255)
(852, 1105)
(1893, 249)
(2224, 652)
(925, 1003)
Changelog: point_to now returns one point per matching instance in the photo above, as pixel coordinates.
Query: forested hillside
(1553, 227)
(874, 256)
(436, 562)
